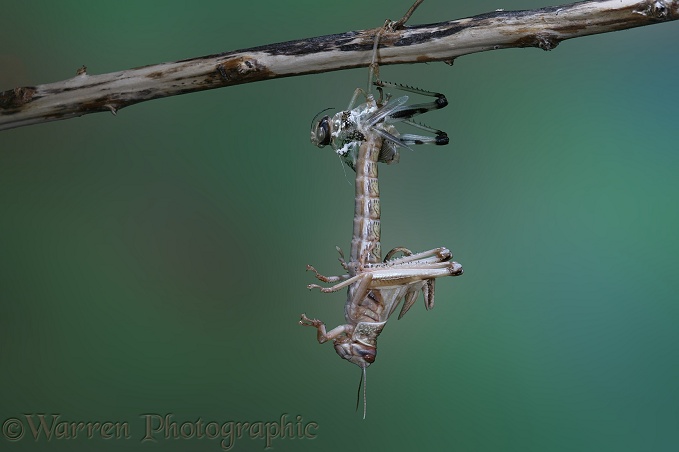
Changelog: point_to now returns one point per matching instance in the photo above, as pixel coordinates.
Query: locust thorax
(360, 354)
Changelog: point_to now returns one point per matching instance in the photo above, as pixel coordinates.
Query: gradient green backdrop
(153, 262)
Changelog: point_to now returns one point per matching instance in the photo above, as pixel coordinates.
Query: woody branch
(544, 28)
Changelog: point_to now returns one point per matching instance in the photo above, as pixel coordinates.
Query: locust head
(361, 347)
(362, 355)
(355, 352)
(321, 130)
(338, 131)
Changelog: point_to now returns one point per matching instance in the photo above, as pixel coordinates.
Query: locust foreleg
(323, 335)
(327, 279)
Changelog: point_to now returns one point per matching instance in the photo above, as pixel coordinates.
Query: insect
(364, 135)
(347, 129)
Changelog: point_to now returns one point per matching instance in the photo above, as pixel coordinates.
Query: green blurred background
(154, 262)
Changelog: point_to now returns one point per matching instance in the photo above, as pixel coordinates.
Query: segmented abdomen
(365, 243)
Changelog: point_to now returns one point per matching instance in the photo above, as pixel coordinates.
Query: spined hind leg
(406, 112)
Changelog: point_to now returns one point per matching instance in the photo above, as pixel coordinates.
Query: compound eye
(321, 136)
(368, 355)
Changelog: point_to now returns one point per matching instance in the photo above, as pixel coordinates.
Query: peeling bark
(543, 28)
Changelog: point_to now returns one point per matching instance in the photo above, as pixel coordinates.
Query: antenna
(365, 388)
(344, 168)
(319, 114)
(364, 381)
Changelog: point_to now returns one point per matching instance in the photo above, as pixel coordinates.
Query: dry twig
(544, 28)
